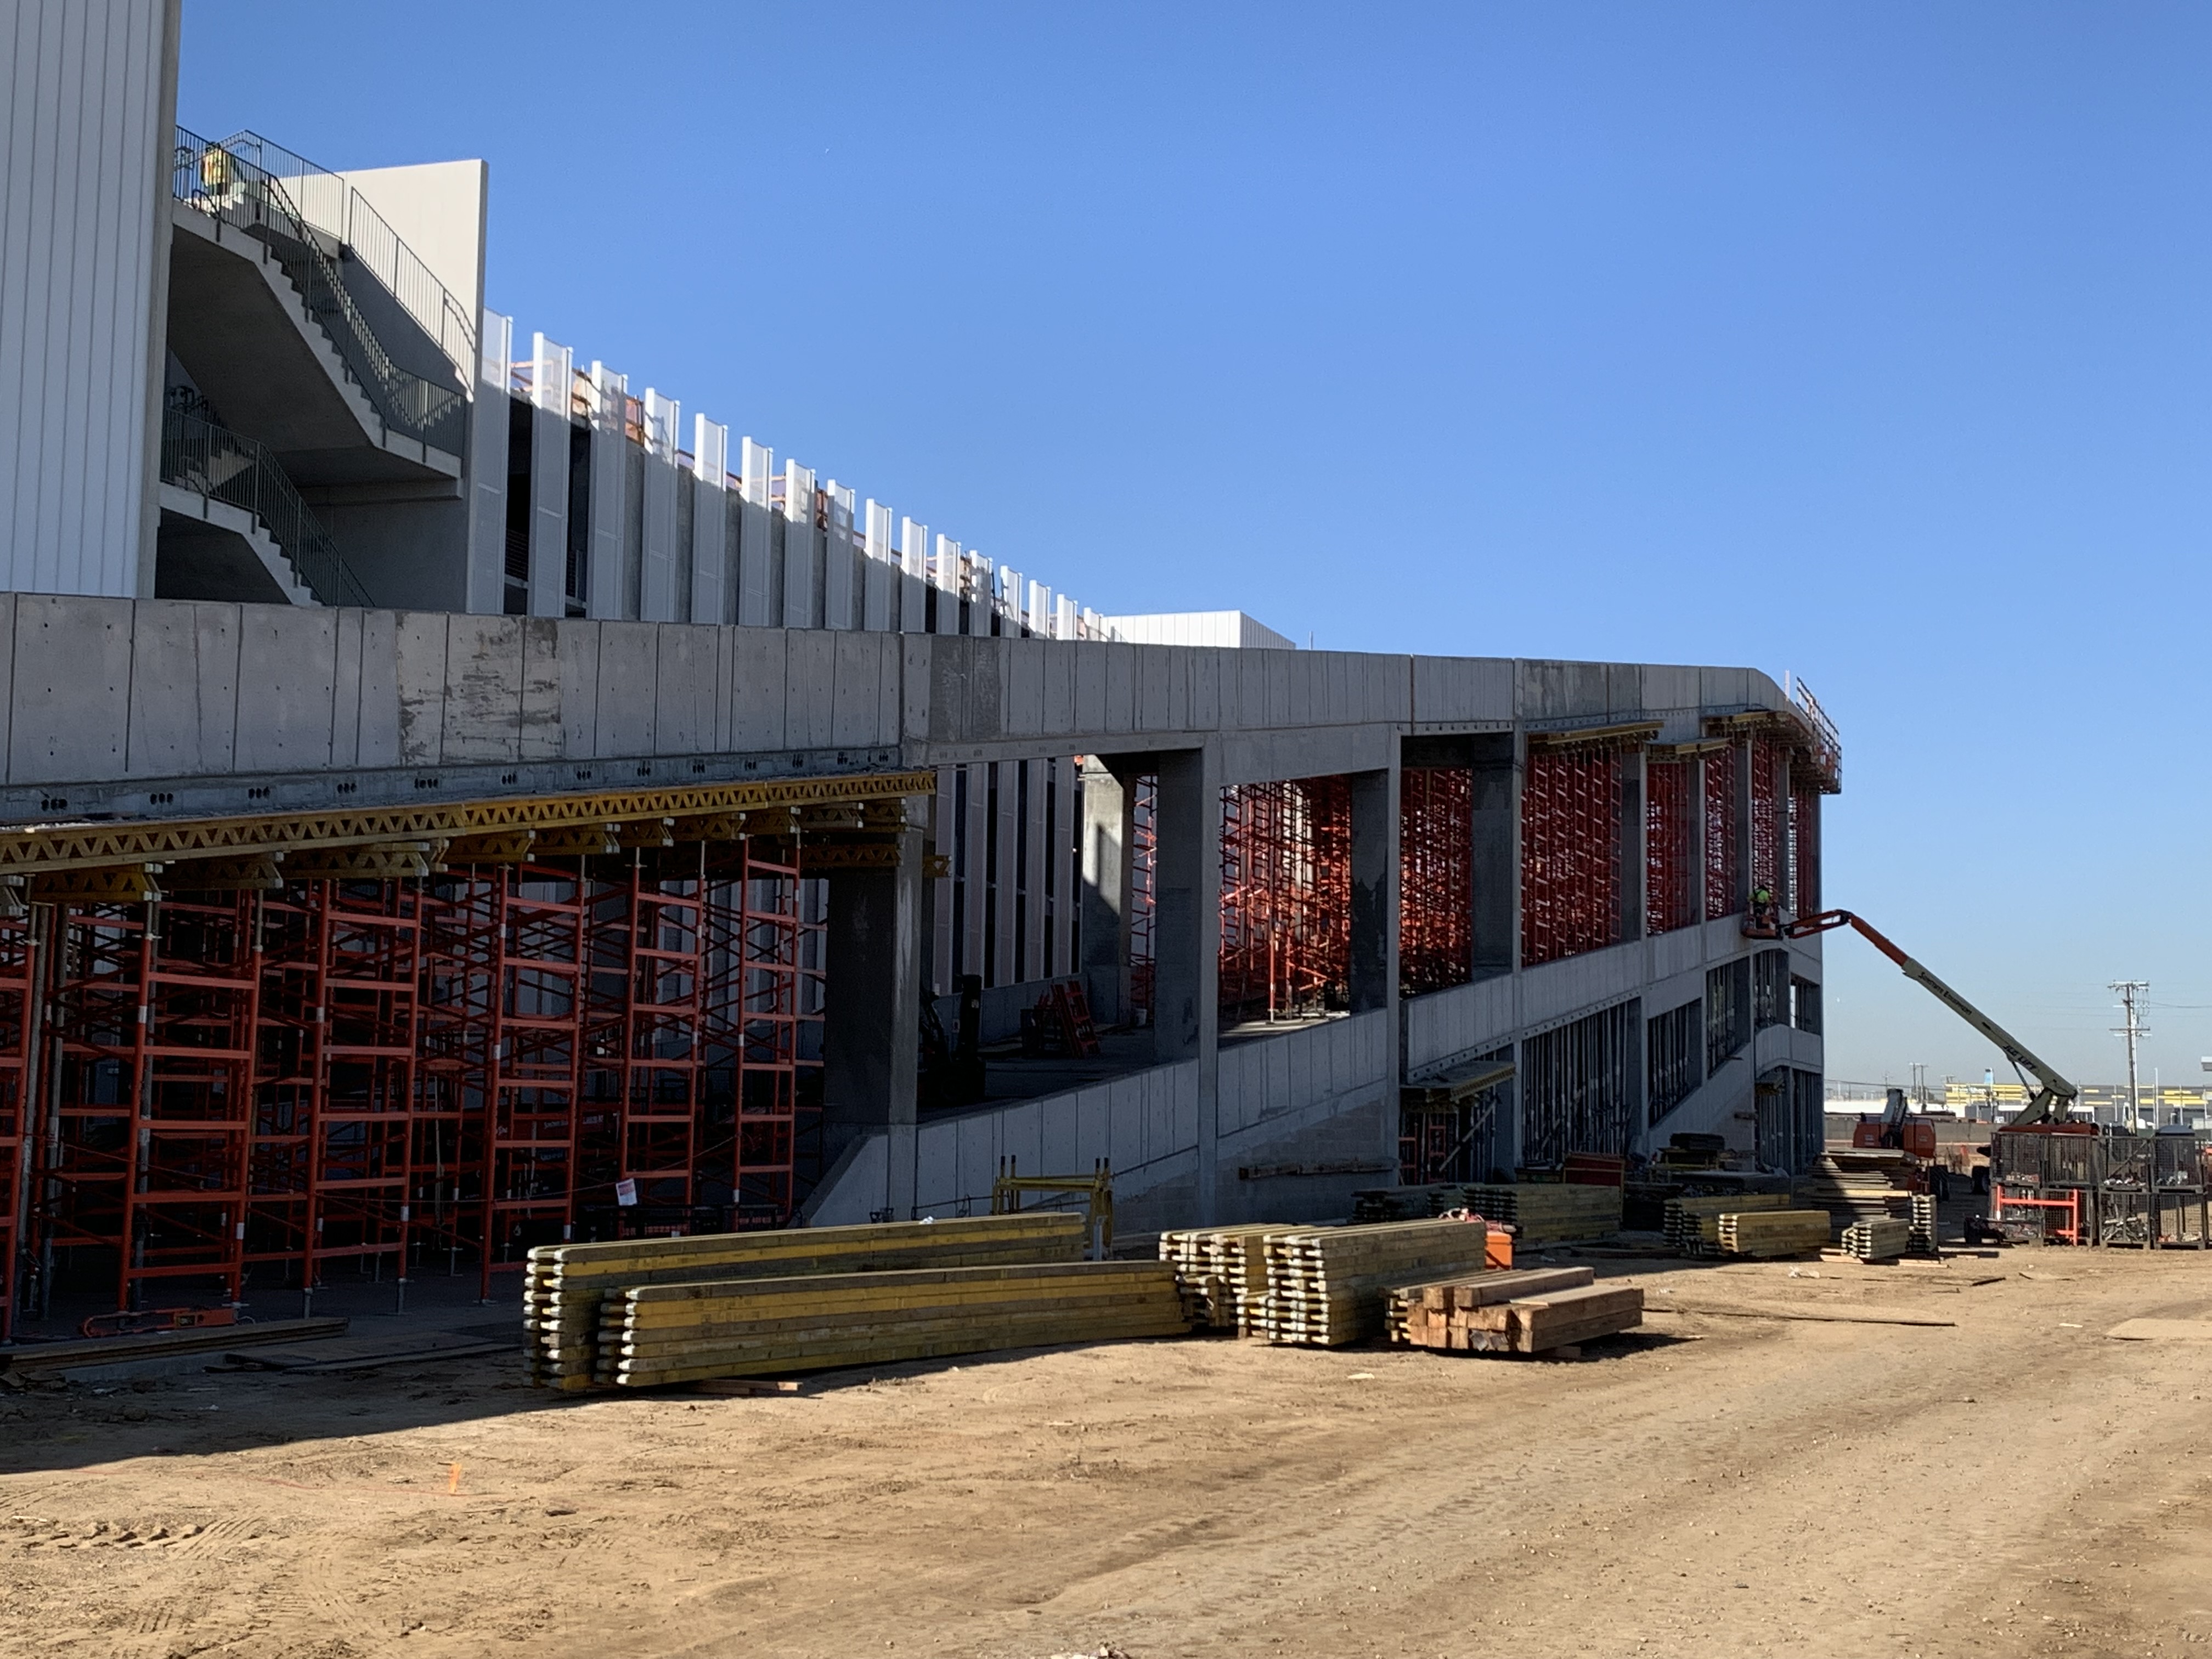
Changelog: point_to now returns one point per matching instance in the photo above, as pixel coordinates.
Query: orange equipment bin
(1498, 1251)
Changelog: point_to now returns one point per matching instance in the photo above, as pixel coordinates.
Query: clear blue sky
(1866, 340)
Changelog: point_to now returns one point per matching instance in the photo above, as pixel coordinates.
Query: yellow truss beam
(137, 843)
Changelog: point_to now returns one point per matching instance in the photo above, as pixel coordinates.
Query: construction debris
(565, 1285)
(1768, 1234)
(48, 1356)
(653, 1335)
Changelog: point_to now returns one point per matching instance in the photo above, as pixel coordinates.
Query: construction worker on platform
(1765, 919)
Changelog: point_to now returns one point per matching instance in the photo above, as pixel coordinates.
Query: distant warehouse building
(459, 800)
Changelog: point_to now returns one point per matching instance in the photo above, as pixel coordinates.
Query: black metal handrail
(225, 186)
(228, 466)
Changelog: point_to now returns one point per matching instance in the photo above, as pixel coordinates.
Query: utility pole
(2130, 990)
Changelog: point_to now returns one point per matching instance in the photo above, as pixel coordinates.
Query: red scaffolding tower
(1720, 834)
(19, 965)
(1435, 883)
(1769, 791)
(1570, 840)
(1286, 897)
(1670, 893)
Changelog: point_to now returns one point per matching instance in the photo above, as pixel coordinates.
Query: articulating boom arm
(2054, 1096)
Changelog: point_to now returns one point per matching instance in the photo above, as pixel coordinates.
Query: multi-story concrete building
(455, 801)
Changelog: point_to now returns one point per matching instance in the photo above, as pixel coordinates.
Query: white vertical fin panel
(657, 584)
(913, 577)
(841, 575)
(552, 368)
(710, 522)
(802, 558)
(609, 493)
(487, 460)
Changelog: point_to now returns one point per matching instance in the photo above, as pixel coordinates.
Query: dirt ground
(2016, 1484)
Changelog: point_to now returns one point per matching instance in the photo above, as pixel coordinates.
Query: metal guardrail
(330, 202)
(225, 186)
(226, 466)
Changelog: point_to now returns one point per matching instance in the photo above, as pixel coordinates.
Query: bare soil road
(2016, 1484)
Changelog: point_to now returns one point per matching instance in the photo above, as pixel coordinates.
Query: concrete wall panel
(578, 643)
(190, 652)
(483, 691)
(1025, 686)
(71, 707)
(760, 681)
(540, 734)
(629, 659)
(287, 666)
(345, 691)
(685, 713)
(812, 669)
(857, 696)
(377, 742)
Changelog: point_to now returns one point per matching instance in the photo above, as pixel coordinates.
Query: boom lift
(2052, 1097)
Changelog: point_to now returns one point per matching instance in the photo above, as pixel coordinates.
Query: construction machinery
(2051, 1095)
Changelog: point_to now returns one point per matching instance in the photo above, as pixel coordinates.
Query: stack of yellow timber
(1768, 1233)
(1406, 1203)
(1223, 1272)
(1330, 1285)
(1859, 1185)
(1425, 1315)
(1544, 1212)
(1691, 1225)
(1489, 1317)
(564, 1285)
(652, 1334)
(1882, 1240)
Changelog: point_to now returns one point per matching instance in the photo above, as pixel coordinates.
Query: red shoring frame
(1143, 849)
(1669, 890)
(20, 959)
(1720, 766)
(1570, 851)
(1805, 846)
(1435, 878)
(1768, 759)
(1286, 897)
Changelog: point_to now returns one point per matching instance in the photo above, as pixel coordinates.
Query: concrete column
(1497, 861)
(1109, 807)
(873, 1014)
(1374, 967)
(1187, 942)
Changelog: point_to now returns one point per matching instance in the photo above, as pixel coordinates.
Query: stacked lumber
(1859, 1185)
(1923, 1223)
(1543, 1212)
(1883, 1239)
(1330, 1285)
(1691, 1226)
(564, 1285)
(1769, 1233)
(1495, 1317)
(1223, 1272)
(653, 1335)
(1373, 1203)
(1424, 1314)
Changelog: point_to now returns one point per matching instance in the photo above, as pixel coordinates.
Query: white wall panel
(86, 94)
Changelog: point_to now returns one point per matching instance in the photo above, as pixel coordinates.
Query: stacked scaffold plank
(1885, 1238)
(1330, 1285)
(653, 1335)
(1532, 1310)
(1923, 1223)
(1770, 1233)
(1223, 1272)
(564, 1285)
(1545, 1213)
(1374, 1204)
(1858, 1185)
(1692, 1226)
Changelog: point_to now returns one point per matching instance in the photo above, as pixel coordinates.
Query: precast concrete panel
(419, 666)
(687, 672)
(579, 643)
(710, 552)
(840, 583)
(549, 510)
(879, 596)
(540, 734)
(1724, 688)
(345, 689)
(1025, 704)
(287, 666)
(762, 680)
(855, 694)
(809, 717)
(186, 656)
(802, 560)
(628, 657)
(377, 734)
(610, 482)
(483, 691)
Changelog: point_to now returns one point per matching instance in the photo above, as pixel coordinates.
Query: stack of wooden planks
(1373, 1203)
(1885, 1238)
(1330, 1285)
(1544, 1212)
(1923, 1223)
(1691, 1226)
(565, 1285)
(1859, 1185)
(1532, 1310)
(1770, 1233)
(653, 1335)
(1223, 1272)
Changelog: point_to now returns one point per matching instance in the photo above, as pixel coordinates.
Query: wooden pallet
(655, 1335)
(1768, 1234)
(565, 1286)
